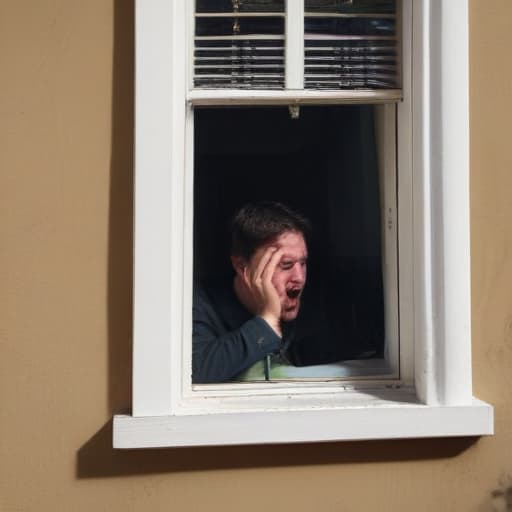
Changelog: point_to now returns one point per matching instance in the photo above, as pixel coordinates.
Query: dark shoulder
(217, 300)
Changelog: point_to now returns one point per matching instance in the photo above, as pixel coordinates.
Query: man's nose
(299, 273)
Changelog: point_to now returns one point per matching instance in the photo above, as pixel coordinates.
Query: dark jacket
(227, 339)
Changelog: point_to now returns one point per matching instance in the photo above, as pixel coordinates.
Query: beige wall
(65, 230)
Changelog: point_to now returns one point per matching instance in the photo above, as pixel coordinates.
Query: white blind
(239, 44)
(351, 44)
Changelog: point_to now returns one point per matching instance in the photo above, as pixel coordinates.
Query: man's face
(290, 275)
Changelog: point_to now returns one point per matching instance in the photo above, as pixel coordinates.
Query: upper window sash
(333, 45)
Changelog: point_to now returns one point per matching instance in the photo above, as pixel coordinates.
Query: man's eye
(286, 266)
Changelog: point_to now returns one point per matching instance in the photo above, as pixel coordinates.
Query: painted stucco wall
(66, 170)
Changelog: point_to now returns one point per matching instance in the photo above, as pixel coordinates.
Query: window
(432, 396)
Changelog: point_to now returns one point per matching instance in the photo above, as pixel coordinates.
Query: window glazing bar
(294, 46)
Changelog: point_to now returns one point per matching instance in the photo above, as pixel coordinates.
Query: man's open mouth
(293, 293)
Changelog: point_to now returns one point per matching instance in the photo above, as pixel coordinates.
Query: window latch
(294, 111)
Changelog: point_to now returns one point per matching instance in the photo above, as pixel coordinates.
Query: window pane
(351, 45)
(351, 6)
(350, 26)
(324, 165)
(240, 5)
(238, 26)
(239, 44)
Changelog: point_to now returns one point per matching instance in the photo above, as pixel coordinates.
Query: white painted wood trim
(382, 421)
(424, 376)
(405, 204)
(207, 97)
(449, 133)
(441, 202)
(385, 133)
(153, 237)
(159, 252)
(294, 44)
(183, 374)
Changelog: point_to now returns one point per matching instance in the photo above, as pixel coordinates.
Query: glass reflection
(355, 6)
(239, 5)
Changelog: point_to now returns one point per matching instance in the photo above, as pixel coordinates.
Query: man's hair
(262, 222)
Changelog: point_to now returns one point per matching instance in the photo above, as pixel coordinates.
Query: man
(237, 325)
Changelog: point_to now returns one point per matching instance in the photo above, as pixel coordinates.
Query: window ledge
(394, 417)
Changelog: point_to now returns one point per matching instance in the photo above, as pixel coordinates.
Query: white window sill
(395, 414)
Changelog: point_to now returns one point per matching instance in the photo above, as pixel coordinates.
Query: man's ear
(239, 263)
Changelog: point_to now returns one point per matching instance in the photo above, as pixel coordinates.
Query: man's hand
(256, 290)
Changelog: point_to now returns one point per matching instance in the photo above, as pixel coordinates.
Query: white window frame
(434, 394)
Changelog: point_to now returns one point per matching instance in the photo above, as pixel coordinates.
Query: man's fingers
(259, 266)
(246, 277)
(270, 268)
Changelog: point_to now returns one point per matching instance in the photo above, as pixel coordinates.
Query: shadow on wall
(120, 244)
(97, 458)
